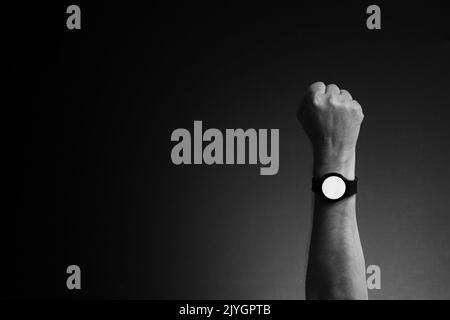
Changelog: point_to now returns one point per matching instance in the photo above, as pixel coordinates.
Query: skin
(336, 267)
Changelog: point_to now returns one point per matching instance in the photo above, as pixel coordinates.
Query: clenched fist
(331, 119)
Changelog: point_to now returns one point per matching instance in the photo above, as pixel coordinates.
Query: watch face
(333, 187)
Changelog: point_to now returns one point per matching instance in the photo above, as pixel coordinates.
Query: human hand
(332, 120)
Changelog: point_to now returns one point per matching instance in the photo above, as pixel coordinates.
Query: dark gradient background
(93, 111)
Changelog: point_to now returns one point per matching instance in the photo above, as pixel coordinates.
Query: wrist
(343, 165)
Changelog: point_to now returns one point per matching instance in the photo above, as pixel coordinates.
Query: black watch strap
(351, 186)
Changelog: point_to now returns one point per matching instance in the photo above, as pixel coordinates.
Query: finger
(357, 106)
(346, 95)
(332, 89)
(317, 87)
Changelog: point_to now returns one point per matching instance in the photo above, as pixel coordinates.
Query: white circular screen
(333, 187)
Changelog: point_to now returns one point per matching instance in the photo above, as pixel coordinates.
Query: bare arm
(336, 268)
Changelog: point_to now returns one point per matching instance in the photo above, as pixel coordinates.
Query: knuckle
(346, 95)
(334, 86)
(317, 99)
(356, 105)
(333, 100)
(316, 87)
(347, 104)
(316, 84)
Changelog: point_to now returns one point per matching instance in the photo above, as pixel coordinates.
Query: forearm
(336, 268)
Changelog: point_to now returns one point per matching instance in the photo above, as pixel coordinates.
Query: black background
(89, 128)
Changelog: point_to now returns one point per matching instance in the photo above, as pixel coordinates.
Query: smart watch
(334, 186)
